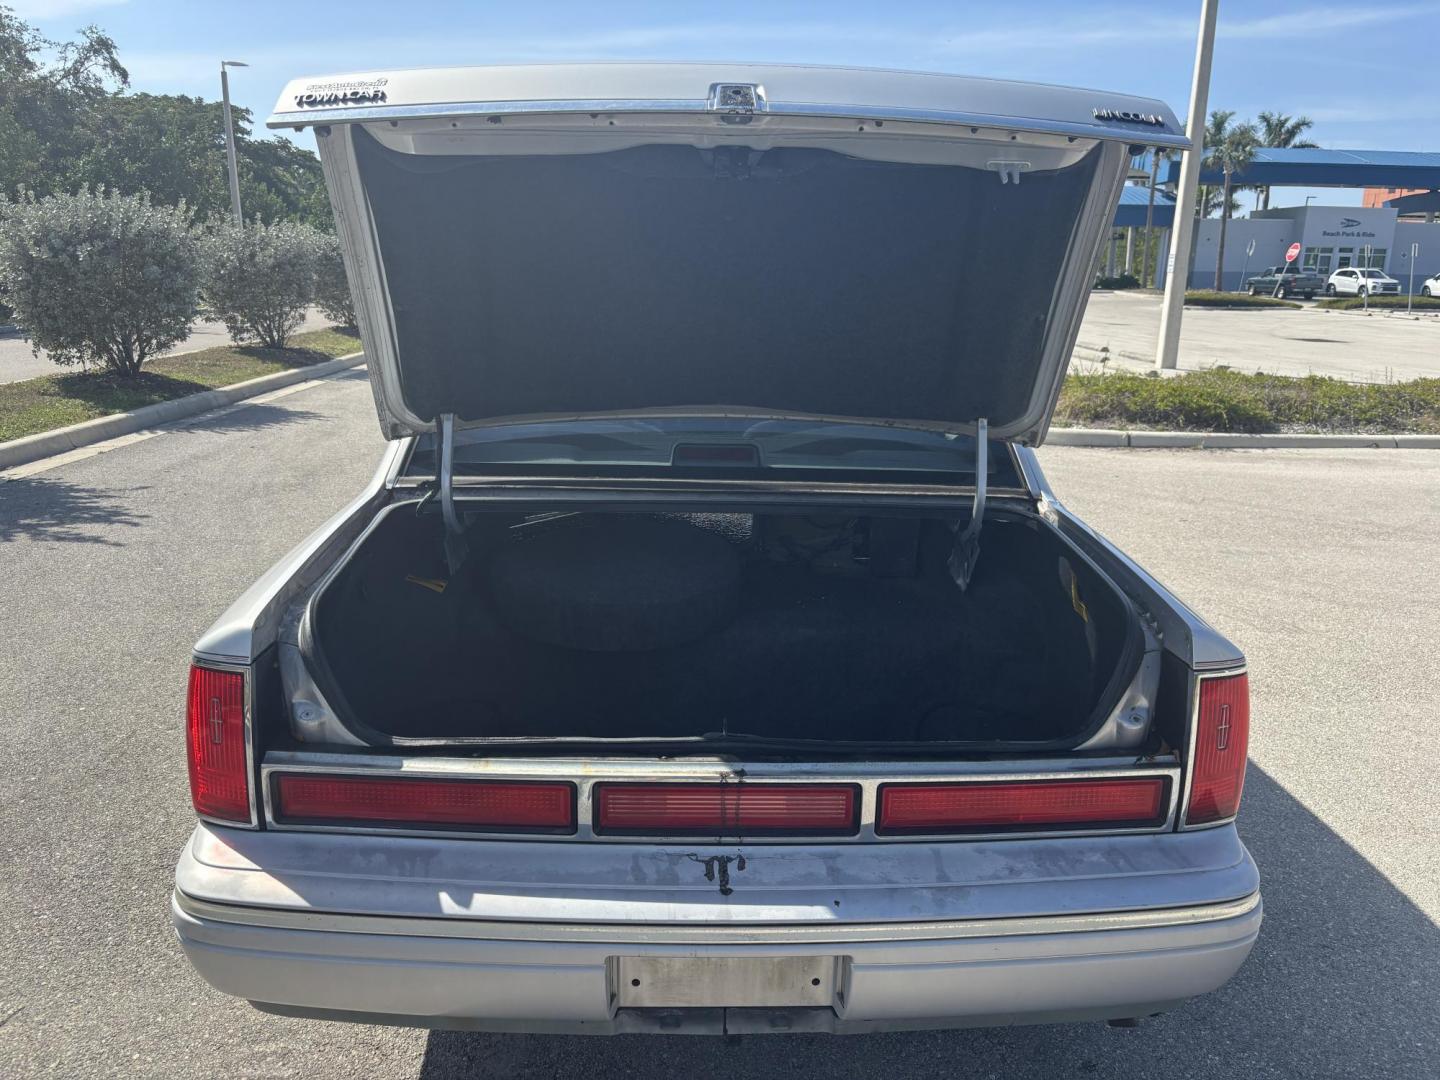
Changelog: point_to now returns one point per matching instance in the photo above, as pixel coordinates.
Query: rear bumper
(1001, 936)
(431, 973)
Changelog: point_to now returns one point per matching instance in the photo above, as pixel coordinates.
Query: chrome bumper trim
(650, 933)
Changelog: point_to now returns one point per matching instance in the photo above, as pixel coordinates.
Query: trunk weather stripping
(967, 544)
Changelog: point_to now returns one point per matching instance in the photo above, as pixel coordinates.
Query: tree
(46, 89)
(174, 147)
(1158, 157)
(98, 277)
(1282, 132)
(332, 288)
(1207, 199)
(259, 279)
(66, 122)
(1232, 153)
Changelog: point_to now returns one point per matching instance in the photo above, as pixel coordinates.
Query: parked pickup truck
(709, 652)
(1283, 281)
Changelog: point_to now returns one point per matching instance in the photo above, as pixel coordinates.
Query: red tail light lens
(483, 805)
(1022, 804)
(1222, 739)
(215, 744)
(752, 809)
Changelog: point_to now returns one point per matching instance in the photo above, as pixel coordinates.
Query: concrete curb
(61, 440)
(1234, 440)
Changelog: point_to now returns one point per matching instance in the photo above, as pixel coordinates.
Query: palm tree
(1231, 154)
(1157, 157)
(1207, 198)
(1281, 131)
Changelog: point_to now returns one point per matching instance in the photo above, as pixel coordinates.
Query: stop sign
(1292, 253)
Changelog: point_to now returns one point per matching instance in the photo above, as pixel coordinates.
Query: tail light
(1021, 805)
(215, 745)
(1222, 738)
(482, 805)
(703, 809)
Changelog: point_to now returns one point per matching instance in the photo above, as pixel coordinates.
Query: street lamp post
(1177, 271)
(230, 139)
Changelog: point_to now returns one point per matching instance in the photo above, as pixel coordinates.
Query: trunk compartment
(828, 631)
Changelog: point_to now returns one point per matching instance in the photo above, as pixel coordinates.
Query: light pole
(1177, 266)
(230, 139)
(1307, 200)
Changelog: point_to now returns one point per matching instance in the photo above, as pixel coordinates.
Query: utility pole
(230, 139)
(1177, 273)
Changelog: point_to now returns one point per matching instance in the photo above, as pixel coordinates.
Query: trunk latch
(967, 542)
(736, 102)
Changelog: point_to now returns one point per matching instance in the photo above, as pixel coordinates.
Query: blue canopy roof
(1330, 168)
(1131, 208)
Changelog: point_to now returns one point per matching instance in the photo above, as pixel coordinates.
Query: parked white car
(1356, 281)
(1431, 286)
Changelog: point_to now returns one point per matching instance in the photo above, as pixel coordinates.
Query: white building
(1330, 237)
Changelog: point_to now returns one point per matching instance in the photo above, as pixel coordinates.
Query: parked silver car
(709, 653)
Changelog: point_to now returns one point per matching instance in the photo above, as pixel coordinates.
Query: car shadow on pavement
(249, 417)
(56, 510)
(1341, 983)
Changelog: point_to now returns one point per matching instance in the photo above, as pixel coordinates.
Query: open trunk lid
(568, 241)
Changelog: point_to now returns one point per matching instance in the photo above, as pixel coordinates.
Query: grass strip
(1210, 298)
(1388, 303)
(1222, 400)
(53, 401)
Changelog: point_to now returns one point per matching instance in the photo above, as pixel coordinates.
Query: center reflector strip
(740, 808)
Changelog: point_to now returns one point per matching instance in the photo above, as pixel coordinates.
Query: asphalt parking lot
(1321, 564)
(1380, 347)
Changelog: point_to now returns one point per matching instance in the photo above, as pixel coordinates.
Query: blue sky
(1363, 72)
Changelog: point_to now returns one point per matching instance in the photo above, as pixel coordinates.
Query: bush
(1222, 400)
(99, 278)
(1210, 298)
(259, 279)
(1119, 281)
(1350, 303)
(332, 288)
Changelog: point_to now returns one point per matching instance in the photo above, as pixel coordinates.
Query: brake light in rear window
(751, 809)
(1022, 805)
(215, 744)
(481, 805)
(1222, 739)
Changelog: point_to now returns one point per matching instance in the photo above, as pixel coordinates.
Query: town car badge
(321, 95)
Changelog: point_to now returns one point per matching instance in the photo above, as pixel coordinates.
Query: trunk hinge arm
(967, 541)
(455, 549)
